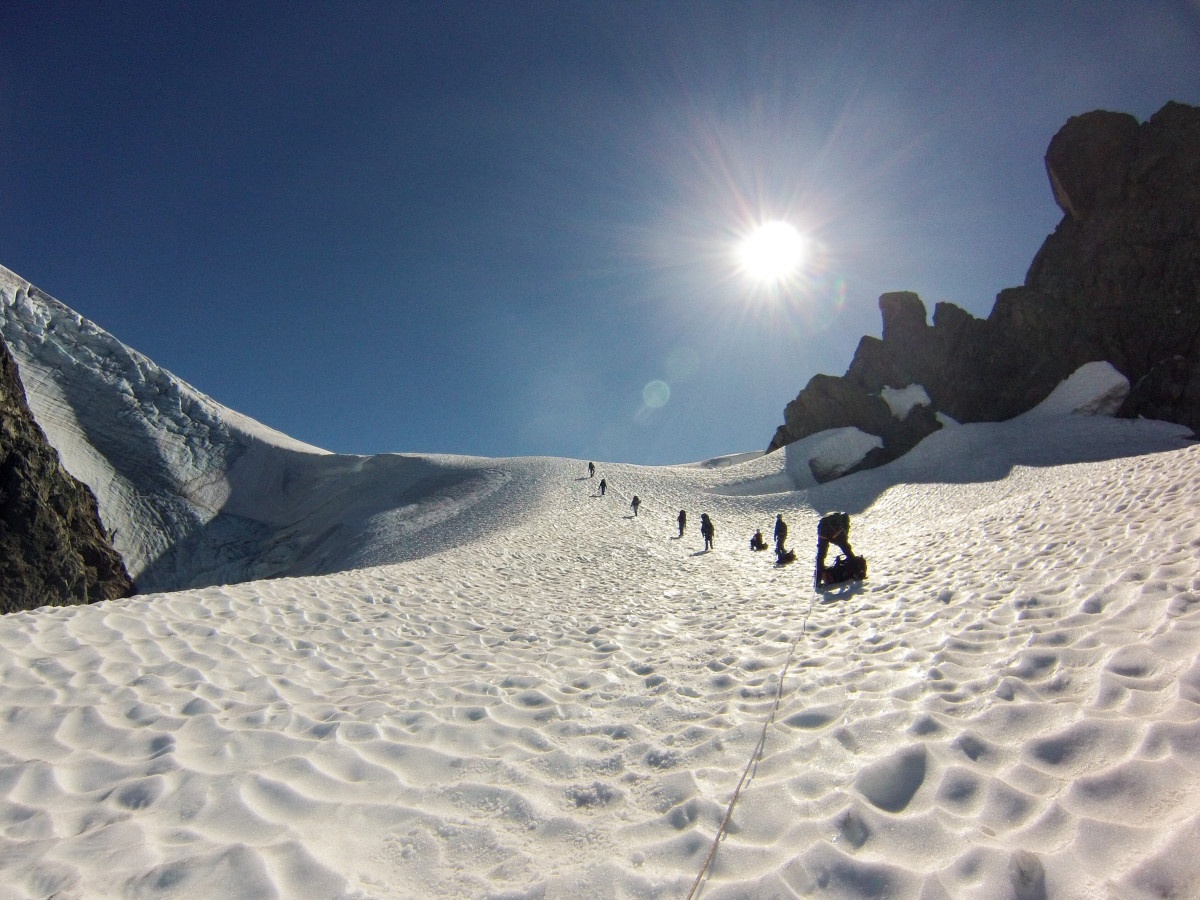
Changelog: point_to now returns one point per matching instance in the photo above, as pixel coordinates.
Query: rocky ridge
(54, 550)
(1118, 281)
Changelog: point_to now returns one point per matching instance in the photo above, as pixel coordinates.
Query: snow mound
(837, 451)
(976, 452)
(1094, 389)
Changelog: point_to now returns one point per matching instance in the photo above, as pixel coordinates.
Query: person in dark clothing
(757, 542)
(635, 503)
(834, 528)
(603, 486)
(682, 519)
(780, 534)
(706, 529)
(591, 470)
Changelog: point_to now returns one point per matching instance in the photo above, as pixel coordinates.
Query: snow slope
(197, 494)
(1010, 706)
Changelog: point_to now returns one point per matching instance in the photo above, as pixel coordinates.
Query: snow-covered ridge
(195, 493)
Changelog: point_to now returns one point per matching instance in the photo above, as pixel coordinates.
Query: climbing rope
(755, 757)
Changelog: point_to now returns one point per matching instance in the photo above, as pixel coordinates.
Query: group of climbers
(833, 528)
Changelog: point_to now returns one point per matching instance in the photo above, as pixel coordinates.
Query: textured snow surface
(1010, 706)
(542, 696)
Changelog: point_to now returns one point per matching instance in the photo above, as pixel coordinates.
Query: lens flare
(656, 394)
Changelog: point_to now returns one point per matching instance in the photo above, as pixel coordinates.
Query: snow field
(1010, 706)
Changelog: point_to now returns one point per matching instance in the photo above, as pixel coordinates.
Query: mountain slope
(1118, 281)
(1010, 706)
(195, 493)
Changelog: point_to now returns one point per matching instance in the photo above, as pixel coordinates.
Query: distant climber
(682, 519)
(603, 486)
(591, 470)
(758, 542)
(706, 529)
(635, 503)
(780, 534)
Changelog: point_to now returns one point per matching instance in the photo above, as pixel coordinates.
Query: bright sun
(772, 252)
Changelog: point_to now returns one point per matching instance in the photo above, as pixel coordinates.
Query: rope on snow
(755, 757)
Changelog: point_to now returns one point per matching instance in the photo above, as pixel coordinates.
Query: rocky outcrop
(830, 402)
(54, 551)
(1117, 281)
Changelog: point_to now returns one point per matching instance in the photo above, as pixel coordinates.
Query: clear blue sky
(486, 227)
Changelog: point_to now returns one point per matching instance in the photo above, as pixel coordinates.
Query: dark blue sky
(485, 227)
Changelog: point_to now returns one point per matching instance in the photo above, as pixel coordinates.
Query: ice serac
(1118, 281)
(54, 551)
(196, 494)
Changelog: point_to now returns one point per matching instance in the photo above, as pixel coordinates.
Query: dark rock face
(53, 548)
(1087, 161)
(1117, 281)
(830, 402)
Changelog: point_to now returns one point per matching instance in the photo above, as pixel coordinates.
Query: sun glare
(772, 252)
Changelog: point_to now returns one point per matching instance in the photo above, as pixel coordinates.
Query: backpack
(852, 568)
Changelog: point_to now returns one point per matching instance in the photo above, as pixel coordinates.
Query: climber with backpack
(834, 528)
